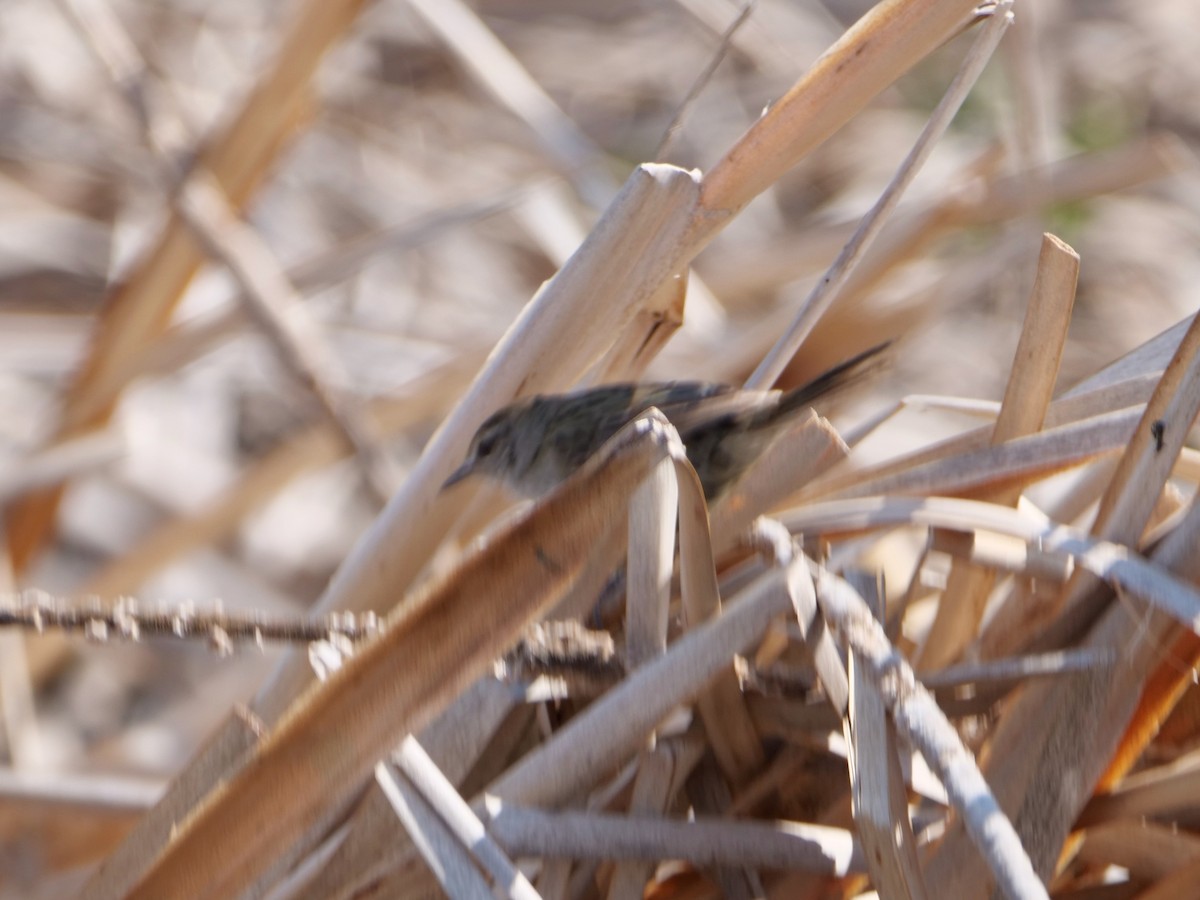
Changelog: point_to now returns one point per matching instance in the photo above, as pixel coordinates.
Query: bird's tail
(840, 376)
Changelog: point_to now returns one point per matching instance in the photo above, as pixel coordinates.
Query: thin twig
(826, 290)
(702, 80)
(130, 619)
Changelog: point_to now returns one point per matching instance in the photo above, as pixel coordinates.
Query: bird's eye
(486, 446)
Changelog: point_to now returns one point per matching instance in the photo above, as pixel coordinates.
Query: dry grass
(265, 270)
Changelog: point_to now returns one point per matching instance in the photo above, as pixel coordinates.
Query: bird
(537, 442)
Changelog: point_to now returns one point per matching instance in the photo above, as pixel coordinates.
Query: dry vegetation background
(416, 192)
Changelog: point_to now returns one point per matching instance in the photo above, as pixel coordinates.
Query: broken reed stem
(1023, 411)
(887, 41)
(651, 562)
(1039, 351)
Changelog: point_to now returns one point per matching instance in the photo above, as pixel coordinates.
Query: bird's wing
(692, 404)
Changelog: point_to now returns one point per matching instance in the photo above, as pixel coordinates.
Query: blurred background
(443, 164)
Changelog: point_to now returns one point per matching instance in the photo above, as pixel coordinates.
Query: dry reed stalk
(1001, 554)
(1176, 884)
(426, 782)
(443, 849)
(644, 337)
(1154, 792)
(1136, 577)
(370, 843)
(18, 709)
(276, 309)
(613, 726)
(969, 471)
(731, 735)
(837, 87)
(478, 50)
(781, 845)
(110, 794)
(1163, 691)
(1085, 175)
(984, 197)
(116, 876)
(1090, 410)
(728, 33)
(1148, 851)
(1004, 672)
(1026, 399)
(1123, 385)
(1092, 407)
(879, 796)
(827, 659)
(581, 162)
(311, 449)
(1128, 502)
(616, 725)
(810, 447)
(651, 562)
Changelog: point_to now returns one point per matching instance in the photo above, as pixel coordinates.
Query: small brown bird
(535, 443)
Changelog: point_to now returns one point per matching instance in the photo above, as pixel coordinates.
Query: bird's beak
(459, 474)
